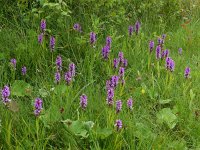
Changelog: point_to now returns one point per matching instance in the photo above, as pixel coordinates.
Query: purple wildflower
(108, 83)
(43, 25)
(59, 62)
(13, 62)
(57, 77)
(40, 38)
(116, 62)
(165, 53)
(68, 77)
(108, 41)
(158, 52)
(5, 93)
(24, 70)
(92, 38)
(118, 124)
(151, 46)
(110, 96)
(83, 101)
(187, 72)
(118, 106)
(130, 30)
(52, 43)
(77, 27)
(72, 68)
(105, 51)
(130, 103)
(121, 72)
(170, 64)
(160, 41)
(163, 36)
(38, 106)
(125, 62)
(180, 51)
(114, 81)
(121, 56)
(137, 27)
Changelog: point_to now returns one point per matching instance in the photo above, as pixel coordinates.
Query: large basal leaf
(79, 128)
(103, 133)
(21, 88)
(167, 116)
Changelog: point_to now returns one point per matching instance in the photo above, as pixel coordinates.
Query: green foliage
(21, 88)
(165, 112)
(167, 116)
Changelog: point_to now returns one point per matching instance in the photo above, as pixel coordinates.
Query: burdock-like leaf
(21, 88)
(167, 116)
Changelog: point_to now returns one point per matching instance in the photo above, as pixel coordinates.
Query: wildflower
(114, 81)
(160, 41)
(57, 77)
(40, 38)
(118, 124)
(170, 64)
(158, 52)
(13, 62)
(38, 106)
(116, 62)
(24, 70)
(108, 41)
(187, 72)
(121, 56)
(125, 62)
(121, 72)
(151, 46)
(110, 96)
(108, 84)
(68, 77)
(52, 43)
(43, 25)
(130, 103)
(105, 51)
(92, 38)
(72, 68)
(165, 53)
(163, 36)
(77, 27)
(83, 101)
(142, 91)
(137, 27)
(5, 93)
(130, 30)
(180, 51)
(118, 106)
(59, 62)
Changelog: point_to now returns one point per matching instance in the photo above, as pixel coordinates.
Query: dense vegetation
(86, 74)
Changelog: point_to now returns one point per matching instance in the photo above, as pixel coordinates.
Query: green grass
(166, 106)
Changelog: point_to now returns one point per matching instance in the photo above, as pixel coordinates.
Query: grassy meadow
(65, 84)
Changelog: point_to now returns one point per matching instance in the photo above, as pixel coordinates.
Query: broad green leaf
(21, 88)
(166, 116)
(79, 128)
(103, 133)
(166, 101)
